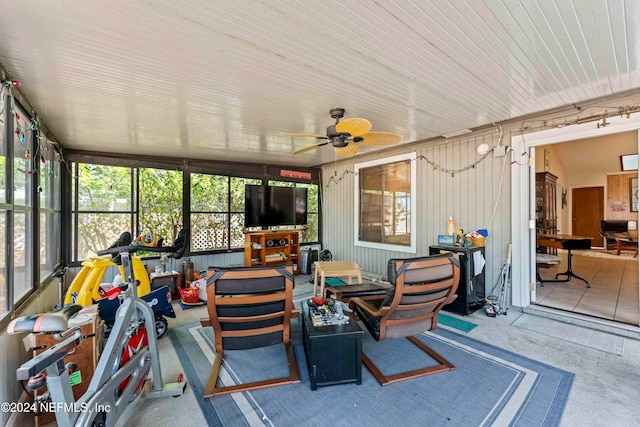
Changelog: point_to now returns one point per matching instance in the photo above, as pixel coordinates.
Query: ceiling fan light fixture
(350, 150)
(346, 135)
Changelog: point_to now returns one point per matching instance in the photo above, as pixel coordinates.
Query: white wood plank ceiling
(223, 79)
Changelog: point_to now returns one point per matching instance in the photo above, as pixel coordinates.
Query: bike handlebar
(136, 248)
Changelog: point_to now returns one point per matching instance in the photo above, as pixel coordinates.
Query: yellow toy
(85, 287)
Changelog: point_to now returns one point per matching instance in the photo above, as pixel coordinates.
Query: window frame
(51, 208)
(412, 247)
(41, 249)
(264, 173)
(227, 214)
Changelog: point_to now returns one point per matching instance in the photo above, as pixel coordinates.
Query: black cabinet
(334, 353)
(471, 292)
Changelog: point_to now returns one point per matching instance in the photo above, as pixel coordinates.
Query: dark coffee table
(333, 352)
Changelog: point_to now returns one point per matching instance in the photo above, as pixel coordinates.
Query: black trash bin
(305, 261)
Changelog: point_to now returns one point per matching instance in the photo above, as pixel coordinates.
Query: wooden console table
(272, 248)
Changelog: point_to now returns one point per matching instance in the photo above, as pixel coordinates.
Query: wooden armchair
(250, 307)
(616, 236)
(612, 230)
(421, 287)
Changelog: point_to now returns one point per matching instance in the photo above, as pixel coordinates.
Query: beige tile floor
(614, 290)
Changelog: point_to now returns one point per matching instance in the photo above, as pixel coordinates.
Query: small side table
(326, 269)
(172, 279)
(333, 352)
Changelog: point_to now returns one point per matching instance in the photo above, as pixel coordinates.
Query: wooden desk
(568, 242)
(334, 269)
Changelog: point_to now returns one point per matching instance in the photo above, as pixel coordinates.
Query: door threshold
(603, 325)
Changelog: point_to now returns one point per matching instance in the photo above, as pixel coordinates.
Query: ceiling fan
(344, 135)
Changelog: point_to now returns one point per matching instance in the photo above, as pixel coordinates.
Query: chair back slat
(247, 299)
(252, 332)
(250, 307)
(244, 319)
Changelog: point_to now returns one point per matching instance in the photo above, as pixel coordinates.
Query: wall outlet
(532, 286)
(532, 224)
(499, 151)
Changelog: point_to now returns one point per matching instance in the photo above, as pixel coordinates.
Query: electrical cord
(495, 207)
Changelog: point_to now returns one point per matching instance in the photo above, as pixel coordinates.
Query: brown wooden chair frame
(430, 310)
(214, 300)
(626, 245)
(612, 230)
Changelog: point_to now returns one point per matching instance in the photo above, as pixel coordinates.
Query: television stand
(272, 248)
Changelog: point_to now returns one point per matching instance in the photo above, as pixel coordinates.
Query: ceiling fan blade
(354, 127)
(310, 147)
(349, 150)
(380, 139)
(303, 135)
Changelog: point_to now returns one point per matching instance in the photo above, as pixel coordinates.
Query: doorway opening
(585, 196)
(613, 285)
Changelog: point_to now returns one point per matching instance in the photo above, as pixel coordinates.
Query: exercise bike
(119, 383)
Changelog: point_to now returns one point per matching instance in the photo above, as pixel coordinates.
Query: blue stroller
(159, 300)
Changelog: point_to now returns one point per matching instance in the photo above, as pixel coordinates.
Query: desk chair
(420, 288)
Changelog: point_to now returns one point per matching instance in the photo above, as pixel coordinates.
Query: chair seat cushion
(618, 235)
(625, 241)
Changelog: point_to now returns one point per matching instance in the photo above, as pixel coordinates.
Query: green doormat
(456, 323)
(332, 281)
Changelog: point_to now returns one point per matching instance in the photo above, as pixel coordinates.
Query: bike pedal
(37, 381)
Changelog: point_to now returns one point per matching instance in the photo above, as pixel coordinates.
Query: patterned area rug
(597, 253)
(490, 386)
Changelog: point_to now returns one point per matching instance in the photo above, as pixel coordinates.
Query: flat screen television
(266, 206)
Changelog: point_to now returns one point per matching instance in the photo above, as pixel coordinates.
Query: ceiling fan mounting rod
(337, 113)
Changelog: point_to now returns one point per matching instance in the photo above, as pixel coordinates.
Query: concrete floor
(604, 393)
